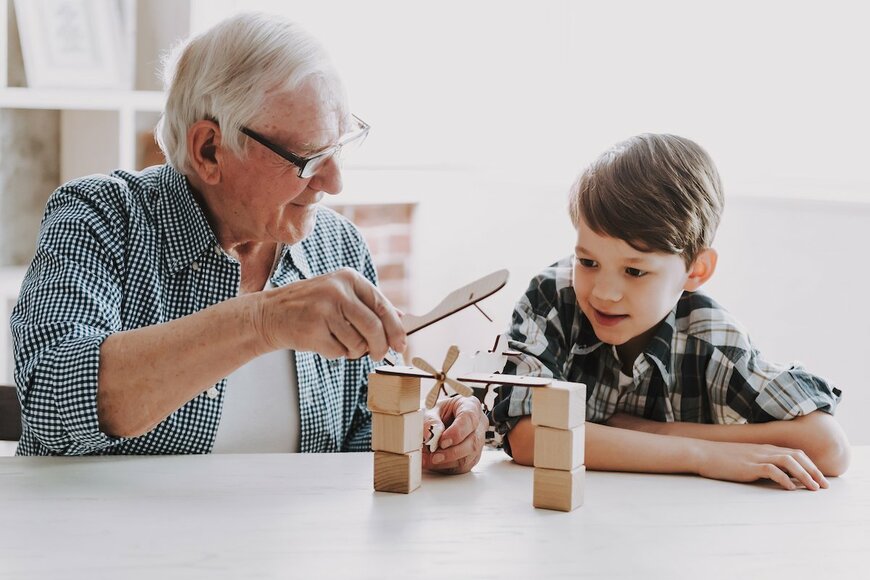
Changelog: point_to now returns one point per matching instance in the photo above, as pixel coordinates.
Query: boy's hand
(747, 462)
(461, 443)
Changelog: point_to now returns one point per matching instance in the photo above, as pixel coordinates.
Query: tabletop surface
(316, 516)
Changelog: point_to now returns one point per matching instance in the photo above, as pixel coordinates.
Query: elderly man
(148, 289)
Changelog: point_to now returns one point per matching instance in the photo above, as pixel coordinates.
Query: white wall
(483, 112)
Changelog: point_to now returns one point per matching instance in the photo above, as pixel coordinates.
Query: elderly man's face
(271, 202)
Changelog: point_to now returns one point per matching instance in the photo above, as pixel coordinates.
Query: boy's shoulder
(700, 318)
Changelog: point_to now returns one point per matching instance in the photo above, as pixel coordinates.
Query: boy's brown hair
(658, 193)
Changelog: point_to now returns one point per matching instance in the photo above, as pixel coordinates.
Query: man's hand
(461, 443)
(340, 314)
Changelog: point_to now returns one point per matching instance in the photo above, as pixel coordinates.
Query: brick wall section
(387, 230)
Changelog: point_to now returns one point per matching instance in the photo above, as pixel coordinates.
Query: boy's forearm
(612, 449)
(817, 434)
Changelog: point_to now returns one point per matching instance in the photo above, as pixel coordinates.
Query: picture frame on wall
(72, 43)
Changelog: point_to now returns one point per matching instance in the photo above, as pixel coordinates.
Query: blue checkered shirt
(699, 367)
(130, 250)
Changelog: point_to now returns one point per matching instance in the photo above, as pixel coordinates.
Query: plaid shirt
(130, 250)
(699, 367)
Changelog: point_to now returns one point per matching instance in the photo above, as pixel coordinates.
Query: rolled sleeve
(764, 391)
(61, 403)
(69, 304)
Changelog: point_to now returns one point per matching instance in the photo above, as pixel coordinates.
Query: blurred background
(483, 112)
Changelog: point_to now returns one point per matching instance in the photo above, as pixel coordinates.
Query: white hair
(225, 73)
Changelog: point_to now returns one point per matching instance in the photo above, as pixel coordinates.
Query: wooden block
(561, 405)
(397, 433)
(398, 472)
(560, 448)
(555, 489)
(392, 394)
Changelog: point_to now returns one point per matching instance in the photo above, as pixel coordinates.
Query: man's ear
(702, 269)
(204, 150)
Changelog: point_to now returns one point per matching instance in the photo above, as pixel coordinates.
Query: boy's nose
(607, 290)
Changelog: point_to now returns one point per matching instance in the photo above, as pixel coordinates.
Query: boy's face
(625, 292)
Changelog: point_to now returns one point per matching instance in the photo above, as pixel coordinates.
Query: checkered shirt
(130, 250)
(700, 366)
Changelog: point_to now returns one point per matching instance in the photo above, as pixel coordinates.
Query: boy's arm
(817, 434)
(612, 449)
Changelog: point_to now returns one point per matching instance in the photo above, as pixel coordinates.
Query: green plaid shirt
(699, 367)
(130, 250)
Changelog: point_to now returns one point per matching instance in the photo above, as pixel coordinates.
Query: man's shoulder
(701, 318)
(108, 196)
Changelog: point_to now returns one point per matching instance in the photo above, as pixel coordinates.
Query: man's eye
(586, 262)
(635, 273)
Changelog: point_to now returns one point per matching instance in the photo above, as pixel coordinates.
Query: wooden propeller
(441, 376)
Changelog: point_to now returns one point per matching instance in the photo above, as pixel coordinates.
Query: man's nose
(328, 178)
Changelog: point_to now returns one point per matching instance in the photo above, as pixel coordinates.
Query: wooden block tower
(397, 432)
(559, 414)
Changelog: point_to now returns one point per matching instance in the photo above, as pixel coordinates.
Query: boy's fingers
(811, 468)
(793, 467)
(772, 472)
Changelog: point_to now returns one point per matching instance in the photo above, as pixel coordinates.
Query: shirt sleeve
(70, 302)
(758, 391)
(537, 332)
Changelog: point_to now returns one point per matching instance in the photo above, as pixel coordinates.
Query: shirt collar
(659, 348)
(186, 232)
(658, 351)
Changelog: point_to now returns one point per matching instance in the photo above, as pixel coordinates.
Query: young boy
(673, 384)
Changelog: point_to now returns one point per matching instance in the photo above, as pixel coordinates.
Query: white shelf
(79, 99)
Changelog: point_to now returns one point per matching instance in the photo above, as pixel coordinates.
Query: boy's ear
(702, 268)
(204, 149)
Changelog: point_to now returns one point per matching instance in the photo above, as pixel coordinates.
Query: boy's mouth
(605, 319)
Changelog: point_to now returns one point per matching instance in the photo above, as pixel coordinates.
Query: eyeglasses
(308, 166)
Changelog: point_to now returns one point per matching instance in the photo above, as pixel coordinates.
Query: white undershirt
(261, 406)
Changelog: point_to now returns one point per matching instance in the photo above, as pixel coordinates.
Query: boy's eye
(586, 262)
(635, 273)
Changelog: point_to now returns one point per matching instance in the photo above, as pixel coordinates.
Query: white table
(314, 516)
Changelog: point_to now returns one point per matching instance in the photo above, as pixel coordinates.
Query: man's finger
(386, 314)
(345, 333)
(468, 416)
(467, 447)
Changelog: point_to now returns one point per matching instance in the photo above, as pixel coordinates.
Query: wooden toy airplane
(457, 300)
(484, 378)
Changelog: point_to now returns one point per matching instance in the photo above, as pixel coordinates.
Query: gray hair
(225, 74)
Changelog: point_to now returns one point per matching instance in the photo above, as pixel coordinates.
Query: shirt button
(195, 266)
(212, 393)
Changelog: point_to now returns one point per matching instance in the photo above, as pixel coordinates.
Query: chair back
(10, 414)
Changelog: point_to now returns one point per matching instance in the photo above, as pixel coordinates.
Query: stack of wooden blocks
(397, 432)
(559, 414)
